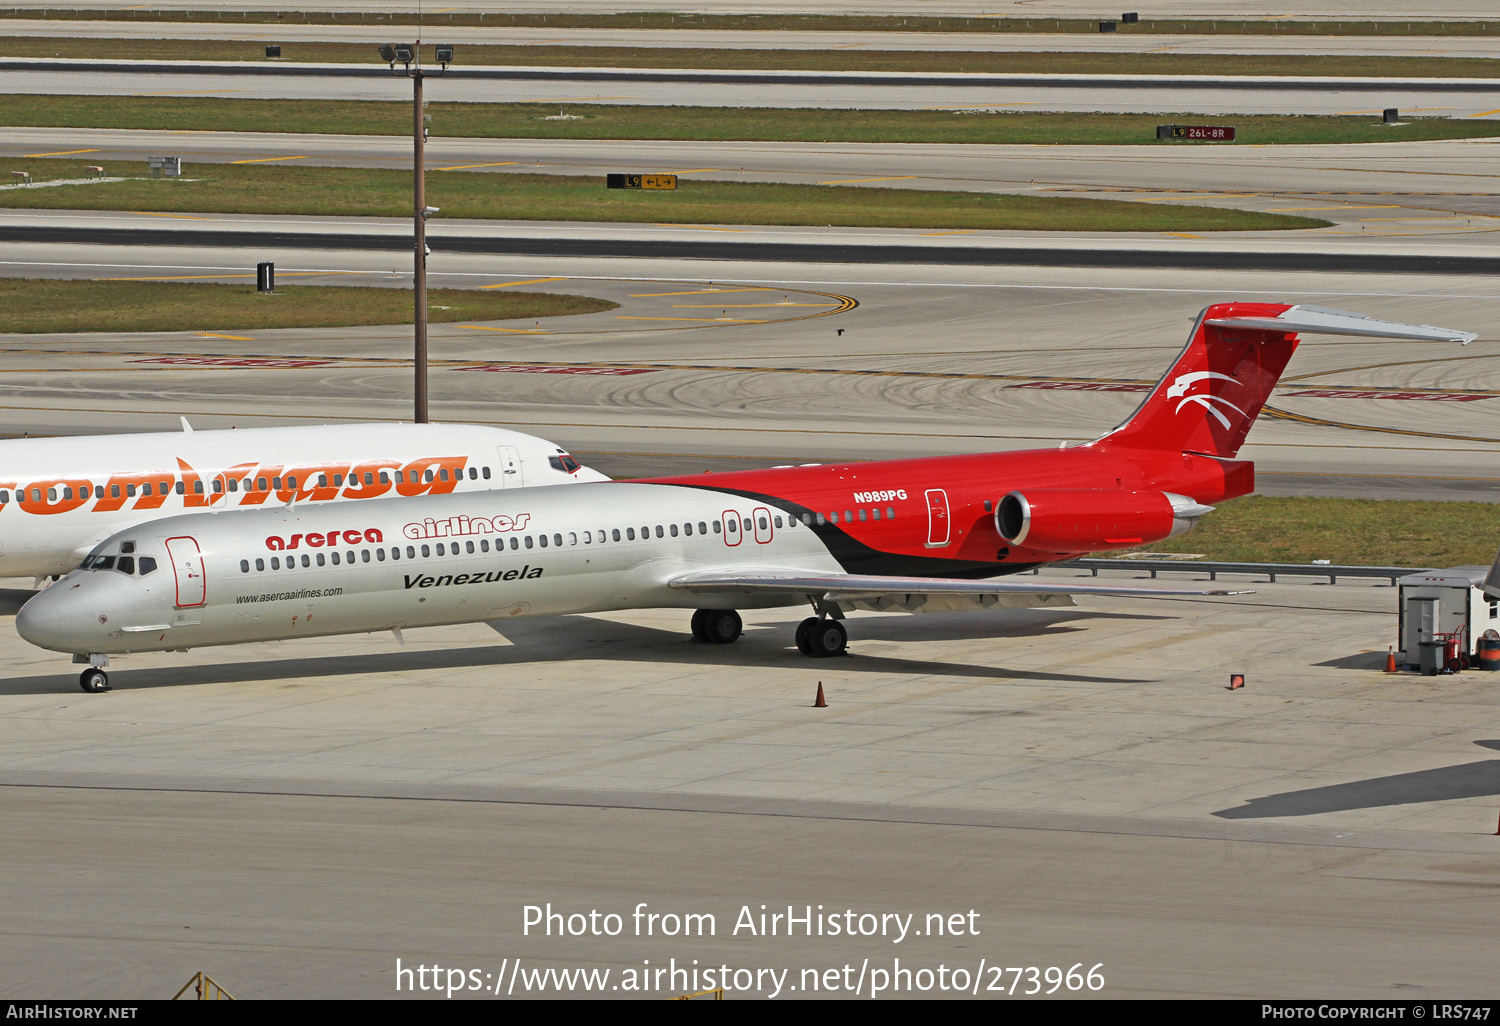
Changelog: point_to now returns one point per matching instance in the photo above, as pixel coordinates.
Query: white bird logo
(1180, 387)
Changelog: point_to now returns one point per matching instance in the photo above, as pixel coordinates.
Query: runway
(285, 32)
(853, 90)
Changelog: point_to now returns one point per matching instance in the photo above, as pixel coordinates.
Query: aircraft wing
(932, 594)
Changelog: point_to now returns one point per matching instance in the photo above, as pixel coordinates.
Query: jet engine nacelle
(1093, 519)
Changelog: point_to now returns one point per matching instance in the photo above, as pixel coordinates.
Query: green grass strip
(37, 306)
(708, 124)
(435, 22)
(1362, 532)
(283, 189)
(719, 59)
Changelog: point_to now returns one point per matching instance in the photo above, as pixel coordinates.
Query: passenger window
(244, 566)
(614, 533)
(234, 486)
(557, 541)
(260, 484)
(428, 476)
(469, 547)
(218, 487)
(443, 474)
(130, 490)
(875, 513)
(588, 537)
(572, 538)
(863, 515)
(197, 489)
(260, 564)
(319, 558)
(528, 541)
(543, 539)
(833, 517)
(778, 520)
(630, 534)
(334, 557)
(275, 562)
(484, 545)
(114, 490)
(659, 533)
(385, 478)
(821, 520)
(426, 552)
(4, 496)
(67, 491)
(687, 528)
(890, 512)
(702, 527)
(322, 480)
(473, 473)
(486, 472)
(716, 527)
(673, 529)
(734, 526)
(147, 565)
(338, 479)
(440, 551)
(764, 523)
(291, 482)
(307, 562)
(349, 556)
(514, 543)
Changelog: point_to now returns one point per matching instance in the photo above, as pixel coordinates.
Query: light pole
(410, 57)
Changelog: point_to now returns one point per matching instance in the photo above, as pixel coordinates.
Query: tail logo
(1185, 382)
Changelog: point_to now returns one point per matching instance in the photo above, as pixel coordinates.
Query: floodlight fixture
(406, 53)
(444, 55)
(387, 53)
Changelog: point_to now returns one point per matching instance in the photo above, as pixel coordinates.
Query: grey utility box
(165, 167)
(1440, 602)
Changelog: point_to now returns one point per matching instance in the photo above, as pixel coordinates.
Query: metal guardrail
(1215, 568)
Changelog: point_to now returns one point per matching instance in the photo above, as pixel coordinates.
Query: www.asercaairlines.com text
(512, 978)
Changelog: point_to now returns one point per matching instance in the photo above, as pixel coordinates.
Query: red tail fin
(1211, 396)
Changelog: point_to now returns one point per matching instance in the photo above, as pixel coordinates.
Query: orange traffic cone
(1390, 660)
(821, 703)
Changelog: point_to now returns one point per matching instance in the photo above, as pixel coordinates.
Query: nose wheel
(94, 680)
(719, 626)
(818, 637)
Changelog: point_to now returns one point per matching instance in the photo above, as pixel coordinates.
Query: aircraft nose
(55, 619)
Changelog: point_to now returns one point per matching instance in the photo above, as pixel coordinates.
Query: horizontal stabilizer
(1323, 321)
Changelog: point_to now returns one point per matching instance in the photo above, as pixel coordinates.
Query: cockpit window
(563, 462)
(126, 565)
(147, 565)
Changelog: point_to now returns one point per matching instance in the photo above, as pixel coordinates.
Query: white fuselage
(337, 569)
(59, 497)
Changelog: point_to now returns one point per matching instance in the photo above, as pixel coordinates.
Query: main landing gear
(94, 680)
(817, 636)
(720, 626)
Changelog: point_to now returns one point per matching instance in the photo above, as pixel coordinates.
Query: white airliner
(916, 534)
(60, 497)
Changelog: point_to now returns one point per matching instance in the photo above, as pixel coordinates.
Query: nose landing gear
(94, 680)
